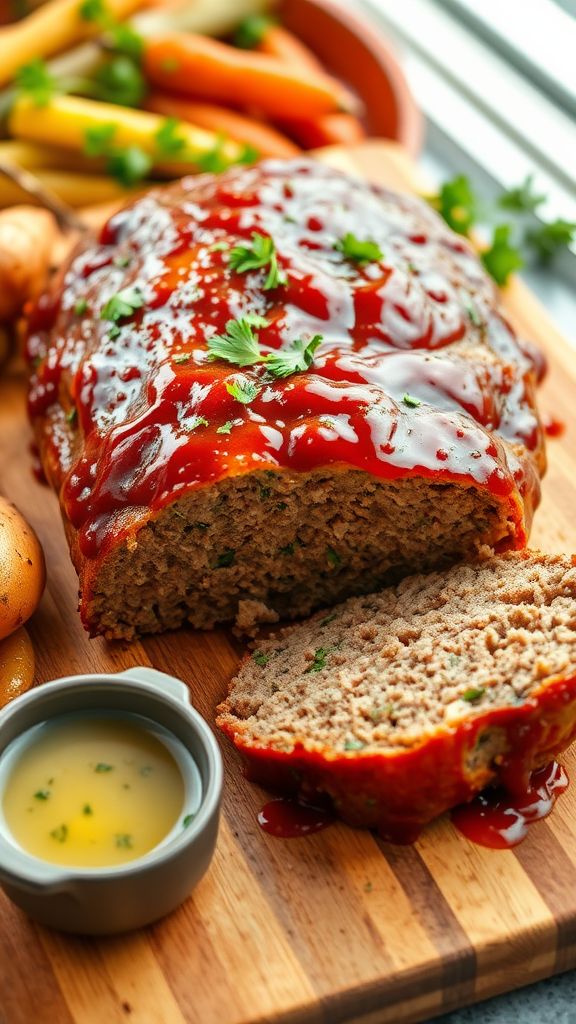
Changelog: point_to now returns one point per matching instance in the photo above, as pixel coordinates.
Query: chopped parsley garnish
(123, 304)
(328, 618)
(457, 204)
(243, 389)
(72, 415)
(251, 31)
(193, 422)
(368, 887)
(102, 767)
(298, 357)
(213, 160)
(98, 138)
(377, 713)
(226, 559)
(319, 661)
(87, 809)
(226, 427)
(36, 81)
(260, 658)
(523, 198)
(353, 744)
(121, 261)
(359, 250)
(42, 794)
(146, 770)
(288, 549)
(473, 314)
(261, 253)
(168, 141)
(80, 307)
(93, 10)
(126, 40)
(119, 80)
(546, 239)
(60, 834)
(239, 345)
(124, 841)
(333, 557)
(411, 401)
(502, 258)
(188, 819)
(473, 693)
(130, 165)
(182, 359)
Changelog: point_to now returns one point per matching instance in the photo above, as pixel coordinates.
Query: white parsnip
(27, 236)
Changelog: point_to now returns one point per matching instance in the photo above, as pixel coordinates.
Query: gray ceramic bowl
(98, 901)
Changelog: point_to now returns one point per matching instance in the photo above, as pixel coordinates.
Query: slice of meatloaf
(265, 391)
(404, 703)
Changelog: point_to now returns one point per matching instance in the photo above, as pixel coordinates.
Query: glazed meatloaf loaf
(407, 702)
(261, 392)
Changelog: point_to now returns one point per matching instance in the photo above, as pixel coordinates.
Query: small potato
(16, 665)
(27, 236)
(22, 569)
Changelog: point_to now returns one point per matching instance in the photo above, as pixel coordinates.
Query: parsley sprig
(240, 346)
(37, 82)
(295, 359)
(359, 250)
(121, 306)
(262, 253)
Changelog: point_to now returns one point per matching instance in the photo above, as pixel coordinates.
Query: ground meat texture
(405, 702)
(197, 489)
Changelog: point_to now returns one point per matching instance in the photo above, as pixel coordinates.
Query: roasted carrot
(265, 140)
(197, 66)
(331, 129)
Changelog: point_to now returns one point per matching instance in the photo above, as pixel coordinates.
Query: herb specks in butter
(102, 767)
(124, 841)
(60, 834)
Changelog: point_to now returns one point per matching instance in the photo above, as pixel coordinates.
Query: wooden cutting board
(339, 927)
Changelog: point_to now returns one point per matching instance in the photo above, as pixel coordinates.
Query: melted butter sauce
(400, 326)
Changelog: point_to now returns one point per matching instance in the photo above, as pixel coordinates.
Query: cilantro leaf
(547, 238)
(319, 661)
(260, 254)
(502, 258)
(251, 31)
(98, 138)
(167, 139)
(359, 250)
(457, 204)
(129, 165)
(243, 389)
(122, 305)
(36, 81)
(295, 359)
(239, 345)
(226, 428)
(523, 198)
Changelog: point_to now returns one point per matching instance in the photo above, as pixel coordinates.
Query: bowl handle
(159, 681)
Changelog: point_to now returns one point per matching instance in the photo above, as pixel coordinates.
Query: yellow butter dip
(93, 792)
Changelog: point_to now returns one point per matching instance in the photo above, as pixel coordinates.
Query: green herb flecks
(226, 428)
(191, 423)
(328, 618)
(188, 819)
(359, 250)
(167, 139)
(80, 307)
(523, 198)
(502, 258)
(546, 239)
(319, 661)
(411, 401)
(260, 658)
(42, 794)
(72, 415)
(243, 389)
(101, 768)
(251, 31)
(353, 744)
(129, 165)
(87, 810)
(296, 358)
(333, 557)
(124, 841)
(35, 81)
(60, 834)
(457, 204)
(122, 305)
(226, 559)
(473, 693)
(94, 11)
(260, 254)
(239, 345)
(119, 80)
(182, 359)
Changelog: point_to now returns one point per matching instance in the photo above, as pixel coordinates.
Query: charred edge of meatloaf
(291, 543)
(380, 673)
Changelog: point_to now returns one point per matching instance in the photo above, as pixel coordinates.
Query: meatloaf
(262, 392)
(404, 703)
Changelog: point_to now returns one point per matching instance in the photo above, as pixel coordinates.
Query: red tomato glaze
(146, 402)
(289, 819)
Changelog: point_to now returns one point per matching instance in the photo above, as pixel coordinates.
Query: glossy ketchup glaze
(500, 821)
(418, 372)
(290, 819)
(553, 427)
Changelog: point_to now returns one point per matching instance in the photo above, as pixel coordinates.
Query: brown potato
(27, 237)
(22, 569)
(16, 665)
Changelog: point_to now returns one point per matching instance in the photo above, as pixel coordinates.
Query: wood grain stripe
(29, 990)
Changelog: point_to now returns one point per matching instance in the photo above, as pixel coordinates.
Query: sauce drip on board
(404, 383)
(500, 821)
(289, 819)
(553, 427)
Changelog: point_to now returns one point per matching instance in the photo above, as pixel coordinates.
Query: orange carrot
(330, 130)
(278, 42)
(266, 140)
(198, 66)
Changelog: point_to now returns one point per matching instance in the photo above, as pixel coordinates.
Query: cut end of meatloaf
(407, 702)
(267, 545)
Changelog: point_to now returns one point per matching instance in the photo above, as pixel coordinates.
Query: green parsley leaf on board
(294, 359)
(523, 198)
(243, 389)
(260, 254)
(36, 81)
(359, 250)
(167, 140)
(457, 204)
(239, 345)
(98, 139)
(123, 304)
(502, 258)
(251, 31)
(546, 239)
(129, 165)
